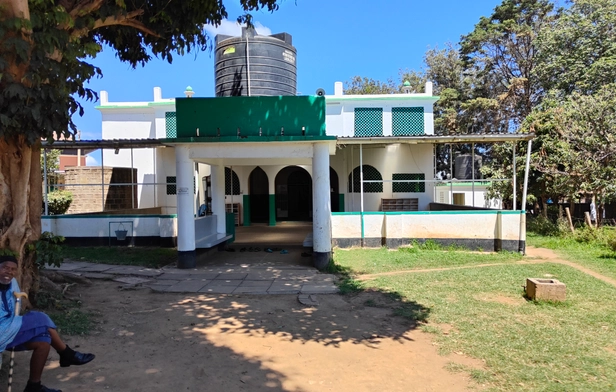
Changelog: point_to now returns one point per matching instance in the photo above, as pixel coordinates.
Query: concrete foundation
(545, 289)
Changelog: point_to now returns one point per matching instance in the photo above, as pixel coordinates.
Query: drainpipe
(450, 173)
(473, 169)
(132, 179)
(522, 240)
(45, 180)
(102, 179)
(361, 190)
(514, 181)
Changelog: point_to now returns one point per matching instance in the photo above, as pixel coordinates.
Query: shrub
(58, 202)
(49, 250)
(543, 226)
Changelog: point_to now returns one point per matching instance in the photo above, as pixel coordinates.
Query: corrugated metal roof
(109, 143)
(419, 139)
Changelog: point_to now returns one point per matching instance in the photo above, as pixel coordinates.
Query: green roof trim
(75, 216)
(391, 97)
(459, 212)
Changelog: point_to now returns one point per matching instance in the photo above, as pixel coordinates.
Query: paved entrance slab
(221, 272)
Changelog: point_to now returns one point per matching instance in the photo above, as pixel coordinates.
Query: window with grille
(402, 182)
(171, 187)
(370, 174)
(231, 179)
(171, 128)
(368, 122)
(407, 121)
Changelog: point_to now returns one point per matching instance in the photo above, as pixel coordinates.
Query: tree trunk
(20, 205)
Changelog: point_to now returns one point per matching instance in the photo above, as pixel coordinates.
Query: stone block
(545, 289)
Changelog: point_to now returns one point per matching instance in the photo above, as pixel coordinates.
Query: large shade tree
(45, 46)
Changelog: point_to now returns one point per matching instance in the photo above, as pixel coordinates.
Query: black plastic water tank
(255, 65)
(464, 167)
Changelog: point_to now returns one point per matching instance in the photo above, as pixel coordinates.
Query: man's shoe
(45, 389)
(77, 359)
(39, 388)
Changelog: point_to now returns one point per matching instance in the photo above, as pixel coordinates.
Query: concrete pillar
(218, 197)
(185, 206)
(321, 207)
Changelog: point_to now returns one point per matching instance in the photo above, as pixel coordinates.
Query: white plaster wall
(394, 158)
(131, 124)
(340, 115)
(93, 226)
(374, 226)
(510, 226)
(428, 225)
(346, 226)
(443, 195)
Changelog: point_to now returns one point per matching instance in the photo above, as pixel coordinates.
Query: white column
(218, 197)
(321, 206)
(185, 208)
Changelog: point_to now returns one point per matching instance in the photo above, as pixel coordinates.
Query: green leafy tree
(578, 144)
(501, 53)
(363, 85)
(578, 52)
(45, 46)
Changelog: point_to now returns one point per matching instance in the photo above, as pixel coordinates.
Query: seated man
(33, 331)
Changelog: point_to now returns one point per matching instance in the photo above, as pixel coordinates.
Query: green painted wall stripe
(432, 213)
(246, 205)
(68, 216)
(272, 210)
(341, 202)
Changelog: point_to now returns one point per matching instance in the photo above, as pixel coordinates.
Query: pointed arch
(370, 174)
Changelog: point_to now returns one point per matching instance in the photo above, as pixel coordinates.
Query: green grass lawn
(148, 257)
(593, 255)
(370, 261)
(530, 346)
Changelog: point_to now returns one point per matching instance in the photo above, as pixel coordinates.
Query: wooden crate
(409, 204)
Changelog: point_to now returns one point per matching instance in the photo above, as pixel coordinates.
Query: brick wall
(88, 198)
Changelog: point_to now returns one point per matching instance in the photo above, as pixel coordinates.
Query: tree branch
(117, 20)
(85, 8)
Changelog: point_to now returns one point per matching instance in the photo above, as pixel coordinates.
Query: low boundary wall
(99, 230)
(488, 230)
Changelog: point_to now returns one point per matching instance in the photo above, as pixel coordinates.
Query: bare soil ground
(176, 342)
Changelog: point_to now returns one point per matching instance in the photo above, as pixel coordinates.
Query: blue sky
(335, 40)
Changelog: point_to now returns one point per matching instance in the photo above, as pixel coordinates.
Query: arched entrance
(293, 194)
(259, 195)
(334, 191)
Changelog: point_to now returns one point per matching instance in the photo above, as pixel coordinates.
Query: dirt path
(552, 257)
(537, 256)
(172, 342)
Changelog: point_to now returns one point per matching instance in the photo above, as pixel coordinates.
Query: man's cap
(5, 258)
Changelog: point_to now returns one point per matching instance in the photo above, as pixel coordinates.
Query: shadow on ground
(146, 341)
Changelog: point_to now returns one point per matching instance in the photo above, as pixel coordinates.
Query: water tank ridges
(464, 167)
(267, 68)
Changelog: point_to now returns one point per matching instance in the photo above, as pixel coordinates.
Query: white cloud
(91, 161)
(232, 28)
